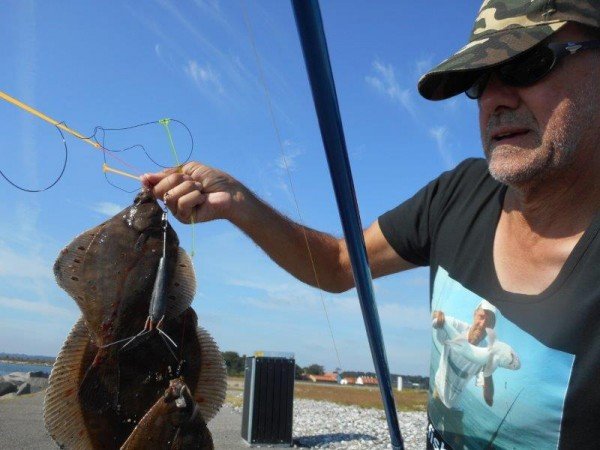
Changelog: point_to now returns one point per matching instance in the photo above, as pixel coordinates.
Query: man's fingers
(168, 184)
(177, 198)
(188, 206)
(183, 188)
(149, 180)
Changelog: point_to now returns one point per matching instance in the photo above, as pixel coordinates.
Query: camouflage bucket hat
(504, 29)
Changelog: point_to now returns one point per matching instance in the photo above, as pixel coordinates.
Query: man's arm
(201, 193)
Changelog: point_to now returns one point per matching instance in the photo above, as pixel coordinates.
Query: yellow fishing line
(193, 250)
(43, 116)
(165, 123)
(62, 126)
(107, 168)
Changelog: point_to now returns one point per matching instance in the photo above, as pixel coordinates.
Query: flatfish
(174, 422)
(103, 383)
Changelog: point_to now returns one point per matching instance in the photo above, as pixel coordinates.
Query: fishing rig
(158, 300)
(97, 140)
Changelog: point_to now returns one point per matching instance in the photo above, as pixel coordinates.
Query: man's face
(481, 321)
(531, 132)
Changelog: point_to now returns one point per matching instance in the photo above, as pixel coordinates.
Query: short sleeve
(409, 227)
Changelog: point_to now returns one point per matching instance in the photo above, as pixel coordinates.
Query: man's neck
(558, 206)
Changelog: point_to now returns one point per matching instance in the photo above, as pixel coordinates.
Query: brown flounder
(97, 391)
(174, 422)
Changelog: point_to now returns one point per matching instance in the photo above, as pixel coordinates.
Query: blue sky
(117, 64)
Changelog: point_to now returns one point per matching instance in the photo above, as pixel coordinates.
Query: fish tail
(194, 433)
(99, 389)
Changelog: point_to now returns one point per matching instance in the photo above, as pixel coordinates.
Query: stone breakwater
(20, 383)
(320, 424)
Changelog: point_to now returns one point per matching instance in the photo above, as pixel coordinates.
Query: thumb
(150, 180)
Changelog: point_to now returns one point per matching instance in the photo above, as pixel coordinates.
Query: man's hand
(438, 319)
(196, 192)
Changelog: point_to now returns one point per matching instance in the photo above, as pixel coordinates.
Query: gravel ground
(316, 425)
(328, 425)
(22, 426)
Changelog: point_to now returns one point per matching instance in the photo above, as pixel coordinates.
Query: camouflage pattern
(503, 29)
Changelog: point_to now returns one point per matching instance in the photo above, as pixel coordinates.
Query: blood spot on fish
(74, 278)
(81, 247)
(77, 261)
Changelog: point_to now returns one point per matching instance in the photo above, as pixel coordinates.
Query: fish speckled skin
(99, 392)
(173, 423)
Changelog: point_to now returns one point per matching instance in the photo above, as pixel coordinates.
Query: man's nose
(498, 95)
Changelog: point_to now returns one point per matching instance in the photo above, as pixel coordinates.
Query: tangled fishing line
(98, 138)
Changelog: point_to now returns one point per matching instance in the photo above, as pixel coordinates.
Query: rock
(17, 378)
(36, 381)
(39, 374)
(6, 388)
(25, 388)
(38, 384)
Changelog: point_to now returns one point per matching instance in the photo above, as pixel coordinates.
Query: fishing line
(103, 130)
(165, 123)
(97, 143)
(289, 176)
(62, 171)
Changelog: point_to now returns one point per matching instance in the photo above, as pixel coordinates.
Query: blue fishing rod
(318, 66)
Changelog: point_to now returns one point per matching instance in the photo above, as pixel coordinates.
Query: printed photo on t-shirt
(492, 385)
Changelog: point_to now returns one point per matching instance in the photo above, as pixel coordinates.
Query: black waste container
(268, 400)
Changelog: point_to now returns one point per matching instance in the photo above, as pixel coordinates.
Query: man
(455, 369)
(519, 229)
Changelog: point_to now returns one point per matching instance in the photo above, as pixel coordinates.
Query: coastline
(25, 363)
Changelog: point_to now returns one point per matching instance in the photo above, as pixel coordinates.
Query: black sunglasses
(530, 67)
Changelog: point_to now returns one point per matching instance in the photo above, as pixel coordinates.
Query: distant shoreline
(25, 363)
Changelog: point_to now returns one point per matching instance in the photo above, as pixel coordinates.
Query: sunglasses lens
(475, 91)
(528, 68)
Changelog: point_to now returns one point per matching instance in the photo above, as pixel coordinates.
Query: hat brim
(461, 70)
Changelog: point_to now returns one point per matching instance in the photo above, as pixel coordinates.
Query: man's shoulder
(469, 182)
(470, 168)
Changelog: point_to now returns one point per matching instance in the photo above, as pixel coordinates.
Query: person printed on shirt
(455, 368)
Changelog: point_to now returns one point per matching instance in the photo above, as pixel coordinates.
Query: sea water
(6, 368)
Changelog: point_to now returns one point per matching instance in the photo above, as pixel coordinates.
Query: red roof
(369, 380)
(328, 377)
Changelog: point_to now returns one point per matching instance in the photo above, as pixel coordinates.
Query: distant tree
(235, 363)
(314, 369)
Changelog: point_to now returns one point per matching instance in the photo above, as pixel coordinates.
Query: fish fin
(99, 388)
(212, 382)
(182, 287)
(63, 415)
(193, 434)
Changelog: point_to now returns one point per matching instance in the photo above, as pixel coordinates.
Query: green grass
(364, 397)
